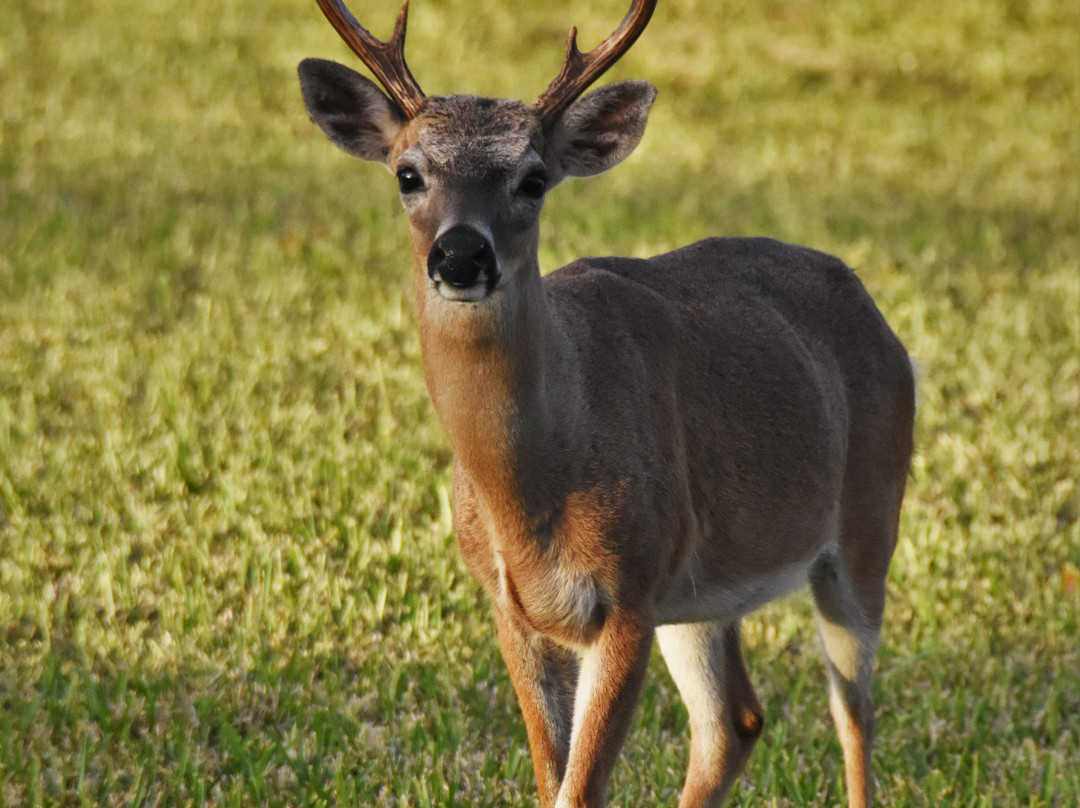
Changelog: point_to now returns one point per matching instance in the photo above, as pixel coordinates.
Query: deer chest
(555, 599)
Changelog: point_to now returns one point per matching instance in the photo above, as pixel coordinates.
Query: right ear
(598, 130)
(350, 109)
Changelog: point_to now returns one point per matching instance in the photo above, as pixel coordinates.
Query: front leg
(544, 676)
(609, 684)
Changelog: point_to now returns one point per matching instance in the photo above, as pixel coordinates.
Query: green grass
(227, 574)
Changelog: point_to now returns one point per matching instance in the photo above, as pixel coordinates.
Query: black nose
(462, 257)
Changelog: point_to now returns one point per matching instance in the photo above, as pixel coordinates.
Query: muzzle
(463, 259)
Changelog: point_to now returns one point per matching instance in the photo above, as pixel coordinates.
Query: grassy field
(227, 573)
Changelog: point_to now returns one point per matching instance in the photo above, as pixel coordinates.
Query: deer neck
(500, 377)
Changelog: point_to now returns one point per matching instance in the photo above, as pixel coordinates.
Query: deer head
(473, 171)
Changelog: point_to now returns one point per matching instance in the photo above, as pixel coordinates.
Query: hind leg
(725, 718)
(849, 618)
(848, 582)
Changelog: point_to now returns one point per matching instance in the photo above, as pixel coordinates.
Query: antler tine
(582, 69)
(385, 59)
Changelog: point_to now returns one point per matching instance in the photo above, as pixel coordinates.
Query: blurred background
(227, 571)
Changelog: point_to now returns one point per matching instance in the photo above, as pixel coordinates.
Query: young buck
(640, 447)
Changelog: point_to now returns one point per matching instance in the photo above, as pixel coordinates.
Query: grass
(227, 574)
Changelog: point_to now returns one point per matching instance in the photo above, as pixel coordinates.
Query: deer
(643, 448)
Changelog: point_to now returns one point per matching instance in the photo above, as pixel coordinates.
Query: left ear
(598, 130)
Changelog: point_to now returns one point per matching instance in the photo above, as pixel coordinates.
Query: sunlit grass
(227, 574)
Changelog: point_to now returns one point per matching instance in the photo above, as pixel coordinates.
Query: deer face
(472, 179)
(473, 172)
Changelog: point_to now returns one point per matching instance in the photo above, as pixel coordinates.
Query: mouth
(484, 288)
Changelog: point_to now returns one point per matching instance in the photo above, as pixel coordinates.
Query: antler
(582, 69)
(385, 59)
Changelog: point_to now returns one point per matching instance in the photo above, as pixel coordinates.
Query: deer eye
(534, 184)
(409, 180)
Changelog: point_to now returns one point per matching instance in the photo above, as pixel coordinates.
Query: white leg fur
(725, 717)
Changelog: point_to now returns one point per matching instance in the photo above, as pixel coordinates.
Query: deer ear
(599, 130)
(351, 110)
